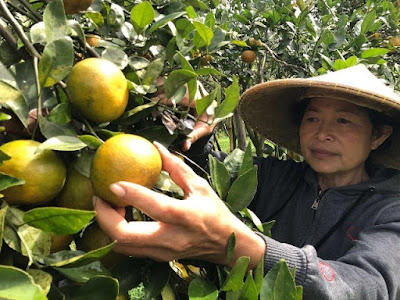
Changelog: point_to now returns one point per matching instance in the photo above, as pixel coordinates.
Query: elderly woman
(337, 213)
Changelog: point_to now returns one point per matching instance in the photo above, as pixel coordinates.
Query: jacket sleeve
(369, 270)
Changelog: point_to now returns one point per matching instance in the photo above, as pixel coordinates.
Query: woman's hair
(377, 119)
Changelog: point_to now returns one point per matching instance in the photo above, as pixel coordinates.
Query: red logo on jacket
(326, 271)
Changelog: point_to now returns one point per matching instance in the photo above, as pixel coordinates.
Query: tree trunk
(240, 131)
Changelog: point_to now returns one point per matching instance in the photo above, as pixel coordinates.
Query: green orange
(98, 89)
(43, 171)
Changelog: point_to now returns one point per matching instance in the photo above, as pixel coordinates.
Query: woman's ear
(380, 134)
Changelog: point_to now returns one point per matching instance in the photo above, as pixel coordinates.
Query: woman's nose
(324, 131)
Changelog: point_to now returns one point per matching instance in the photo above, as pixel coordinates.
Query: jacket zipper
(315, 204)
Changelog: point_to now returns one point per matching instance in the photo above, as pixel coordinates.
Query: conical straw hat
(269, 107)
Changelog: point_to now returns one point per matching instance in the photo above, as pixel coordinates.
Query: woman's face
(336, 137)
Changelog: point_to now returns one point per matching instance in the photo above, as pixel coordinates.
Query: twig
(18, 29)
(262, 67)
(31, 10)
(22, 11)
(282, 61)
(8, 37)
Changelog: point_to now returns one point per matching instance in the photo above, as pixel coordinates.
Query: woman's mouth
(322, 153)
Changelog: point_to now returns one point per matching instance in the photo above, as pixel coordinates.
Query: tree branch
(277, 59)
(8, 37)
(18, 29)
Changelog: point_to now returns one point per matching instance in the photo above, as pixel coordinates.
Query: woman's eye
(343, 121)
(310, 119)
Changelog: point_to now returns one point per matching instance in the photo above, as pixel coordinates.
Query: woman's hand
(197, 227)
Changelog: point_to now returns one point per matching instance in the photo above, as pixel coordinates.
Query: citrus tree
(308, 38)
(79, 85)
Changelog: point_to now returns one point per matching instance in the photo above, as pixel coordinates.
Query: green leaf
(253, 217)
(158, 278)
(247, 162)
(267, 227)
(259, 274)
(203, 103)
(58, 220)
(219, 176)
(231, 246)
(374, 52)
(23, 238)
(43, 279)
(234, 280)
(50, 129)
(79, 274)
(208, 71)
(8, 93)
(202, 289)
(243, 190)
(56, 61)
(278, 283)
(78, 259)
(17, 284)
(61, 114)
(233, 162)
(232, 94)
(62, 143)
(99, 288)
(168, 18)
(55, 22)
(249, 291)
(142, 15)
(176, 79)
(3, 213)
(204, 32)
(90, 141)
(165, 183)
(368, 21)
(153, 71)
(240, 43)
(7, 181)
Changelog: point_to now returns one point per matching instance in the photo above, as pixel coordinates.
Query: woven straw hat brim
(269, 109)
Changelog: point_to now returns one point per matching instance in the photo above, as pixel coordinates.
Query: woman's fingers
(156, 205)
(107, 217)
(180, 172)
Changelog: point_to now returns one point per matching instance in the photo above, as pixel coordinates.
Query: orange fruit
(395, 41)
(44, 173)
(98, 89)
(60, 242)
(248, 56)
(206, 60)
(75, 6)
(94, 238)
(77, 192)
(92, 40)
(124, 157)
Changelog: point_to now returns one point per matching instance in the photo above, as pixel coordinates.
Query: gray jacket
(345, 242)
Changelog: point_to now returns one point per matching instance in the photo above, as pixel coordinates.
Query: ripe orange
(248, 56)
(98, 89)
(77, 191)
(92, 40)
(75, 6)
(44, 173)
(124, 157)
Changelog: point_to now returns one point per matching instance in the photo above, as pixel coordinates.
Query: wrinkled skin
(197, 227)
